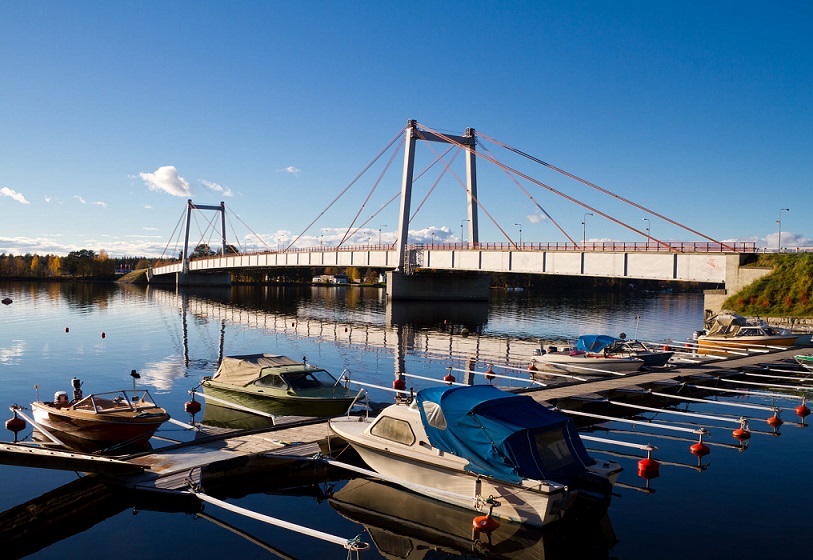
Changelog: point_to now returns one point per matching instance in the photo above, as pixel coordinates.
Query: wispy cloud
(167, 179)
(100, 203)
(215, 187)
(290, 169)
(80, 199)
(14, 195)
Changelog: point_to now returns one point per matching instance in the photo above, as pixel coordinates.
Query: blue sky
(113, 114)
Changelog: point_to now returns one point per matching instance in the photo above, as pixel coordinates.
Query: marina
(240, 468)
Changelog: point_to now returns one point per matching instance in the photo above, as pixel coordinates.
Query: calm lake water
(746, 502)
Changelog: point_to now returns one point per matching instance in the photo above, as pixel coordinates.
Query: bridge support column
(446, 287)
(736, 278)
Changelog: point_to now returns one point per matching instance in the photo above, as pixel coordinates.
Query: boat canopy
(242, 370)
(594, 342)
(502, 435)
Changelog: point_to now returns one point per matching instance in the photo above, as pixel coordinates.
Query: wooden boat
(622, 348)
(277, 385)
(578, 362)
(463, 445)
(729, 331)
(116, 419)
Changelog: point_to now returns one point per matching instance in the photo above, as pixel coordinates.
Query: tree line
(76, 264)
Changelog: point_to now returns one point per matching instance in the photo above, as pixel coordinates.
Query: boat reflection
(406, 525)
(224, 417)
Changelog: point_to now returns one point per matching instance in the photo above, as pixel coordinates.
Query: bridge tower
(412, 135)
(191, 206)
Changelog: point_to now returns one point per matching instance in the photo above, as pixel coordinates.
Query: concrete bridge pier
(446, 287)
(737, 277)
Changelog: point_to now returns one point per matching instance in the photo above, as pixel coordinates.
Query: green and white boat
(278, 385)
(804, 360)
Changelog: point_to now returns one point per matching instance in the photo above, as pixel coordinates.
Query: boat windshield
(553, 450)
(309, 379)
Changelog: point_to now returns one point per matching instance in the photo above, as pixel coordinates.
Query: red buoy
(648, 468)
(192, 407)
(775, 421)
(103, 335)
(802, 410)
(741, 434)
(700, 449)
(449, 378)
(489, 373)
(399, 384)
(67, 329)
(485, 524)
(16, 425)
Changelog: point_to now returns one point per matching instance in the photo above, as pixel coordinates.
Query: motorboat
(571, 360)
(100, 421)
(729, 331)
(483, 449)
(277, 385)
(621, 347)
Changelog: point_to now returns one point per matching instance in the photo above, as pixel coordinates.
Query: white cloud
(48, 199)
(14, 195)
(100, 203)
(290, 169)
(79, 198)
(215, 187)
(166, 179)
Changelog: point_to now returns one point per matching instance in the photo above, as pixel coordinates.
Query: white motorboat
(622, 347)
(483, 449)
(578, 362)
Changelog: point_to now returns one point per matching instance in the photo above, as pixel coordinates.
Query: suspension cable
(601, 189)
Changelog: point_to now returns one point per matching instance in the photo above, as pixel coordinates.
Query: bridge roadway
(689, 262)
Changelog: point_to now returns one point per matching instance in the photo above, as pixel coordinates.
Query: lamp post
(584, 228)
(379, 232)
(779, 238)
(520, 233)
(462, 237)
(648, 228)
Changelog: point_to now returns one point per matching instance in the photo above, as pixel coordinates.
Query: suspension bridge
(460, 270)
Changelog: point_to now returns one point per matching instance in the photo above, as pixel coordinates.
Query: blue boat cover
(594, 342)
(503, 435)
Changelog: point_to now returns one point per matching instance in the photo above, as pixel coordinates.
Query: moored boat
(277, 385)
(116, 419)
(579, 362)
(729, 331)
(467, 445)
(804, 360)
(623, 348)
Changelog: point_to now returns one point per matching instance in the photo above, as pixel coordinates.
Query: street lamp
(520, 233)
(584, 228)
(648, 227)
(779, 221)
(462, 237)
(379, 232)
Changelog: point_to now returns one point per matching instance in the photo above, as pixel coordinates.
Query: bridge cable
(366, 200)
(362, 172)
(474, 198)
(601, 189)
(177, 229)
(255, 234)
(551, 189)
(518, 184)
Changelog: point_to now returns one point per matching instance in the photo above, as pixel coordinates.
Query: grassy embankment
(786, 292)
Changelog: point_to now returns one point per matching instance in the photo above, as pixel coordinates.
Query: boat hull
(444, 479)
(586, 365)
(88, 430)
(269, 403)
(710, 344)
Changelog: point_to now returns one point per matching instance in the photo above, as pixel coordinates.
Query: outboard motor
(77, 389)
